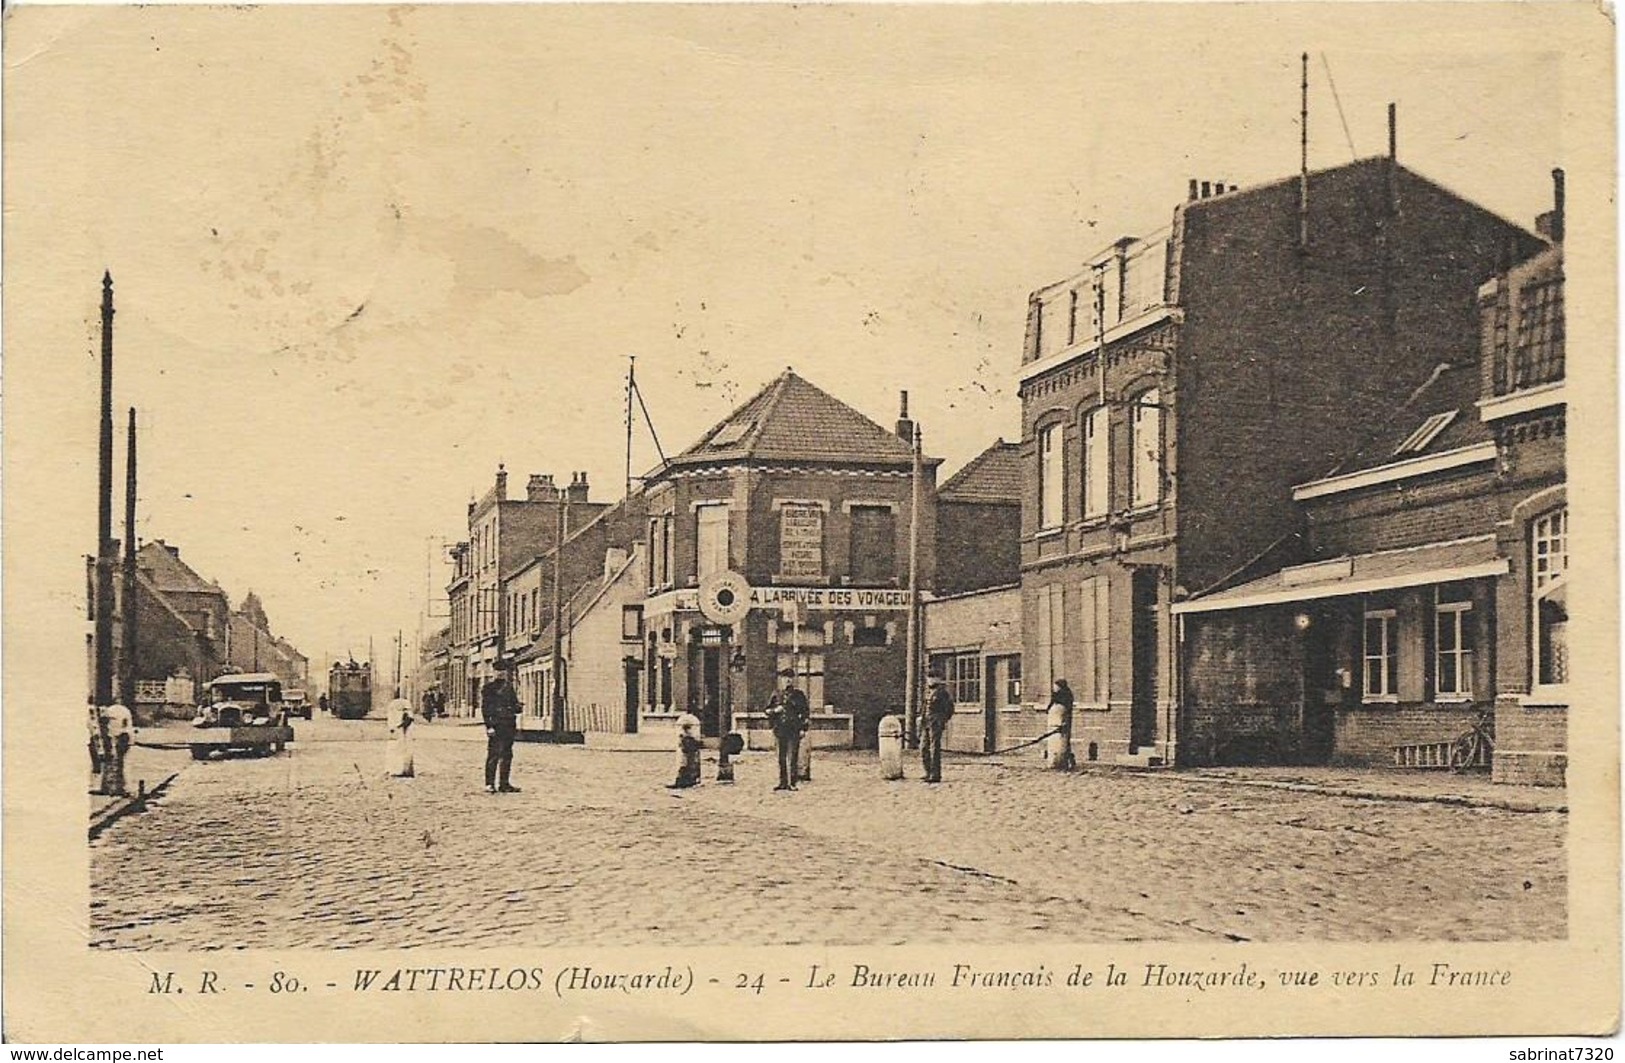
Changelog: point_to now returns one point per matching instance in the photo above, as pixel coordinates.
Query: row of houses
(1293, 487)
(807, 503)
(186, 632)
(1289, 489)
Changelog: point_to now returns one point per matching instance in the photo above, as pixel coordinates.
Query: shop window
(1455, 638)
(961, 673)
(1549, 564)
(1381, 655)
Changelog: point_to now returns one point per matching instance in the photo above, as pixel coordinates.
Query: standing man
(938, 712)
(788, 714)
(499, 705)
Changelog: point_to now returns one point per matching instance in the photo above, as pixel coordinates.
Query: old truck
(243, 712)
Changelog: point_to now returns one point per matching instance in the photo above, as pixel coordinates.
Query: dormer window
(731, 433)
(1418, 440)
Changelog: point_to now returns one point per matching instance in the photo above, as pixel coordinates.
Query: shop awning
(1386, 570)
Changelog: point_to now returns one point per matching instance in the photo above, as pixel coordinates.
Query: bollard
(1058, 746)
(891, 747)
(804, 758)
(732, 745)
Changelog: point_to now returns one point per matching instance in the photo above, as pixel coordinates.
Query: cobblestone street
(316, 848)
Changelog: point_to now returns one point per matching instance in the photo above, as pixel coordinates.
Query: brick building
(1430, 587)
(1176, 389)
(504, 535)
(979, 523)
(809, 501)
(973, 643)
(972, 620)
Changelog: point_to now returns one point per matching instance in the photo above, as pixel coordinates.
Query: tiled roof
(1450, 395)
(994, 475)
(169, 573)
(792, 420)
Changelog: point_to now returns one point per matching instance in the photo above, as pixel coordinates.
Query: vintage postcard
(751, 522)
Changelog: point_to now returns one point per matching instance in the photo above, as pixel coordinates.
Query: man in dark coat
(938, 712)
(499, 705)
(788, 714)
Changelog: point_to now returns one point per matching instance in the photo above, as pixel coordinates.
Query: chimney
(502, 484)
(577, 491)
(1557, 206)
(1192, 195)
(540, 488)
(905, 427)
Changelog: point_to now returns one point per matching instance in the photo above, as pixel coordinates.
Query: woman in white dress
(398, 758)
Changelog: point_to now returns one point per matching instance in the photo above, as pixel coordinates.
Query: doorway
(705, 691)
(634, 681)
(1144, 636)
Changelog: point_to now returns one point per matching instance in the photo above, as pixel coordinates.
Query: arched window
(1145, 448)
(1051, 477)
(1548, 589)
(1096, 463)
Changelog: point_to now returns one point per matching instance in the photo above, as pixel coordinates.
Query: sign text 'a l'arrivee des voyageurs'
(848, 599)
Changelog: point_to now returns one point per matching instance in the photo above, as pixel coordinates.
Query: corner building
(810, 501)
(1177, 388)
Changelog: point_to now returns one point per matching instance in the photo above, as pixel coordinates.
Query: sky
(362, 256)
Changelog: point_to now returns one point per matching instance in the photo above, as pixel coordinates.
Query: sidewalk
(157, 755)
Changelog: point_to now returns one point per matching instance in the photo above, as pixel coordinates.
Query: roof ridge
(779, 385)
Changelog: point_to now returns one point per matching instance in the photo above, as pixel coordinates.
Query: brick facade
(1268, 362)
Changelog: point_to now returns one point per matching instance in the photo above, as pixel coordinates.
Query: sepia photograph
(753, 522)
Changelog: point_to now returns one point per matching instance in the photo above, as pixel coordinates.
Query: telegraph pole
(103, 693)
(558, 613)
(911, 702)
(129, 611)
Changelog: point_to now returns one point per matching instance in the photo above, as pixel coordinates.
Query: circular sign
(725, 598)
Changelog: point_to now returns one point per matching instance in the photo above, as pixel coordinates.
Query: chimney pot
(1207, 189)
(1558, 198)
(1193, 188)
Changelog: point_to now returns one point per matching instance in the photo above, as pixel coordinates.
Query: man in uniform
(788, 714)
(499, 705)
(938, 712)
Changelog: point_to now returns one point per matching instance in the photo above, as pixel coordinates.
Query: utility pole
(631, 382)
(563, 510)
(129, 611)
(103, 693)
(911, 702)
